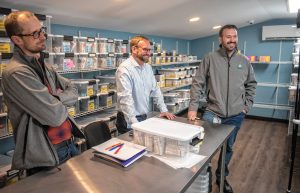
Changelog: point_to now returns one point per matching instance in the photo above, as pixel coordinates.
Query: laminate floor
(260, 163)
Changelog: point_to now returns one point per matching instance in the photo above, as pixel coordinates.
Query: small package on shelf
(252, 58)
(102, 60)
(125, 48)
(87, 61)
(70, 44)
(91, 45)
(57, 43)
(165, 137)
(81, 45)
(264, 58)
(65, 61)
(118, 46)
(110, 46)
(102, 44)
(119, 59)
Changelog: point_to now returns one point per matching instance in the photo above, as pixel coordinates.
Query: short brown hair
(228, 26)
(136, 39)
(11, 23)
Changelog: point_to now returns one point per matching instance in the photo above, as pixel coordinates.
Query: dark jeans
(121, 123)
(234, 120)
(65, 151)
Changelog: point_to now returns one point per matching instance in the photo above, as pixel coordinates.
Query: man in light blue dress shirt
(136, 84)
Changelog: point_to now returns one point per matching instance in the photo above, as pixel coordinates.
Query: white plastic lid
(169, 129)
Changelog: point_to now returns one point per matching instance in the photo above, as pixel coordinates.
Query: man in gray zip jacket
(228, 79)
(36, 97)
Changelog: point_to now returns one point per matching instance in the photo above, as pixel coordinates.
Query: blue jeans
(66, 152)
(234, 120)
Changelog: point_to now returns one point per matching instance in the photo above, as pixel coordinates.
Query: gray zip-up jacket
(229, 84)
(31, 109)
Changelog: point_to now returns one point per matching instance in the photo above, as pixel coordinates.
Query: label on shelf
(71, 111)
(109, 101)
(90, 90)
(91, 106)
(5, 47)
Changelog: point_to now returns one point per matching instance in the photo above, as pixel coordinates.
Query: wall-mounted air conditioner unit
(280, 32)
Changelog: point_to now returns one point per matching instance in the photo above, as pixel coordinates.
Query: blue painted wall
(168, 44)
(250, 43)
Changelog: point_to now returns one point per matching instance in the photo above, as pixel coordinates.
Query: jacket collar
(32, 62)
(223, 52)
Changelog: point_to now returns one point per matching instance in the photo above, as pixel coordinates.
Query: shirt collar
(134, 62)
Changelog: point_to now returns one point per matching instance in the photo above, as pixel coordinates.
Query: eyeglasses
(145, 49)
(36, 34)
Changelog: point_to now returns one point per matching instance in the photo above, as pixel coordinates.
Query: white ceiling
(156, 17)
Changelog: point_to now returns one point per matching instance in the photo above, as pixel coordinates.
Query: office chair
(96, 133)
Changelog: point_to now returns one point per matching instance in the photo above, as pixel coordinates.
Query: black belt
(62, 144)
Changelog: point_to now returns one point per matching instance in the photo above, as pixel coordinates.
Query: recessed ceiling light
(217, 27)
(293, 6)
(194, 19)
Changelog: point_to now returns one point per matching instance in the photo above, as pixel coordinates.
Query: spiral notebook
(119, 151)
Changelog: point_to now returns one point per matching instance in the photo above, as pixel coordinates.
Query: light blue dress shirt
(135, 85)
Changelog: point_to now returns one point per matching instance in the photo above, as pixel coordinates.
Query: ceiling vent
(280, 32)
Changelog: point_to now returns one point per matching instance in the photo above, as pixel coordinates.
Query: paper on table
(177, 162)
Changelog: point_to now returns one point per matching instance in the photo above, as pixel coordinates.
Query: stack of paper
(119, 151)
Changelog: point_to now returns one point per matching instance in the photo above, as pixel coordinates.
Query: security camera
(251, 22)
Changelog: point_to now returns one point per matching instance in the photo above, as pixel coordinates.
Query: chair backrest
(96, 133)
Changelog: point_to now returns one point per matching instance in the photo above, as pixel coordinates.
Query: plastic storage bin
(82, 87)
(102, 60)
(84, 104)
(70, 44)
(57, 43)
(165, 137)
(111, 60)
(171, 97)
(111, 80)
(103, 87)
(173, 82)
(49, 43)
(184, 93)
